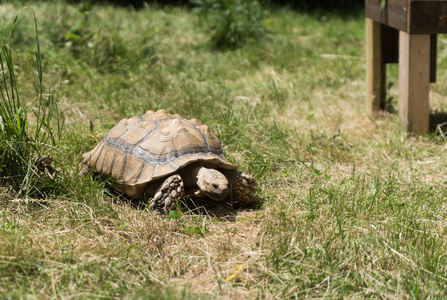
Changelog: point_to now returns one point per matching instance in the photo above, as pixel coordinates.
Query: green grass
(352, 206)
(29, 131)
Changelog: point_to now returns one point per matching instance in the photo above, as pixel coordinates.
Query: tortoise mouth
(218, 194)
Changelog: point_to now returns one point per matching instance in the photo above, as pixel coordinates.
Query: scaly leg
(243, 187)
(166, 196)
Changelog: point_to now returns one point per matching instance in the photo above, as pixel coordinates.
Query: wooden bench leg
(414, 80)
(375, 68)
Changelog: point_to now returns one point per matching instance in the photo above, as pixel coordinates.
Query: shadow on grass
(322, 9)
(206, 207)
(437, 120)
(214, 209)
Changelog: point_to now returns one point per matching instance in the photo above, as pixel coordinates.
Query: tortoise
(167, 158)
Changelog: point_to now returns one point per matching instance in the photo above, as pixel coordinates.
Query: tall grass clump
(233, 23)
(29, 129)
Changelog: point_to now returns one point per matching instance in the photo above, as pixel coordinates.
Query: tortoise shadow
(222, 210)
(205, 207)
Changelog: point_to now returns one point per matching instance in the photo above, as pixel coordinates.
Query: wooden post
(418, 23)
(414, 80)
(375, 69)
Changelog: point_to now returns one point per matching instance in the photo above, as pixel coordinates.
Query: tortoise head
(212, 183)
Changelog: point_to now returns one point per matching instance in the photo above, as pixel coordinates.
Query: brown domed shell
(141, 149)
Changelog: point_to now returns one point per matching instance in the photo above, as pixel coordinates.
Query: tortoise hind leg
(243, 188)
(166, 195)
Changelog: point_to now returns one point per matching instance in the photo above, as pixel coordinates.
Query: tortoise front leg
(243, 187)
(167, 194)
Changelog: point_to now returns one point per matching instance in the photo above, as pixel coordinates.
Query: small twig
(438, 128)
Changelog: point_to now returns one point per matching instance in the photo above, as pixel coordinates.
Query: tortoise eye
(215, 185)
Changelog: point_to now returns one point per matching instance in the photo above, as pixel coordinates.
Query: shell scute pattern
(108, 161)
(137, 133)
(132, 169)
(141, 149)
(121, 128)
(119, 162)
(93, 155)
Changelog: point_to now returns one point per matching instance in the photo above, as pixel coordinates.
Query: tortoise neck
(191, 173)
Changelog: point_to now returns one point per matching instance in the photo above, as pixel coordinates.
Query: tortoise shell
(139, 150)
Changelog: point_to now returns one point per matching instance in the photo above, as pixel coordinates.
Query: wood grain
(375, 69)
(414, 81)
